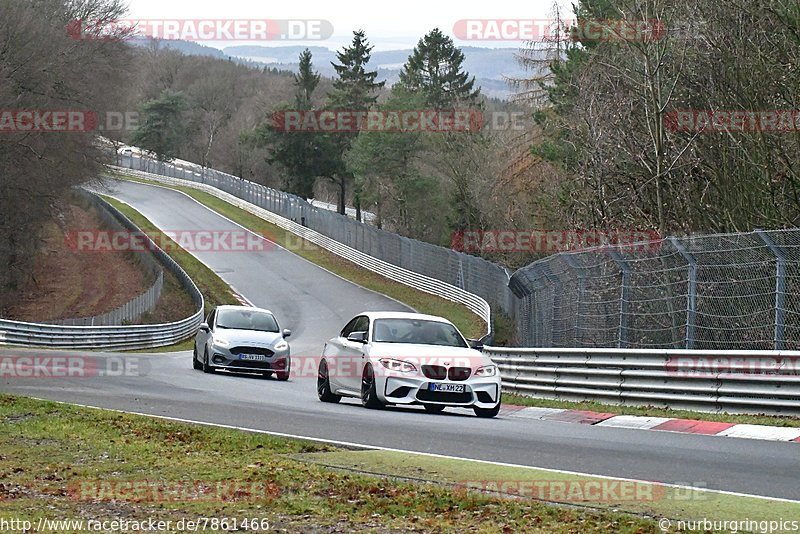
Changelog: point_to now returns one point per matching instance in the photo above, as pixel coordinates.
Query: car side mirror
(476, 344)
(357, 337)
(287, 333)
(204, 328)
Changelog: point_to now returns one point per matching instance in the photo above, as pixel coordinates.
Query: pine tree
(305, 81)
(304, 155)
(354, 90)
(356, 87)
(162, 130)
(434, 69)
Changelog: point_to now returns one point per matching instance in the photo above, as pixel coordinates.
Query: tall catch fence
(734, 291)
(722, 292)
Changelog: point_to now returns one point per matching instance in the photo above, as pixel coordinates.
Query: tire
(324, 385)
(206, 368)
(267, 374)
(434, 408)
(369, 395)
(487, 412)
(196, 365)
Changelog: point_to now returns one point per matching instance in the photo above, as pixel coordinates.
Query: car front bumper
(480, 392)
(224, 358)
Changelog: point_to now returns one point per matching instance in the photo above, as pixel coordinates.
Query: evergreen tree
(305, 155)
(355, 87)
(434, 69)
(305, 81)
(162, 131)
(354, 90)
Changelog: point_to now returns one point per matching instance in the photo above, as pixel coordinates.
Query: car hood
(430, 354)
(250, 338)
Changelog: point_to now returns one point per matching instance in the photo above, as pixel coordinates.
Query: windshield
(417, 332)
(247, 320)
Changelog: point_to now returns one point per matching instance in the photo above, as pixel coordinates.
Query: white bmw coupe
(397, 358)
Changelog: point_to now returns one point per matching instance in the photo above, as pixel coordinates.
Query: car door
(335, 356)
(353, 355)
(201, 341)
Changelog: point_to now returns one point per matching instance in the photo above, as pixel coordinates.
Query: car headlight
(398, 365)
(488, 370)
(282, 345)
(219, 342)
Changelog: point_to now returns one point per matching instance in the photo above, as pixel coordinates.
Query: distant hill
(490, 66)
(185, 47)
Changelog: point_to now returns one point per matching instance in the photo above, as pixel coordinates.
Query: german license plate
(448, 388)
(253, 357)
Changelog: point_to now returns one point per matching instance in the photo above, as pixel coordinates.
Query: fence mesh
(734, 291)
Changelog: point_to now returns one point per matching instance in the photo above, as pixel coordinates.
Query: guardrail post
(780, 289)
(691, 308)
(624, 298)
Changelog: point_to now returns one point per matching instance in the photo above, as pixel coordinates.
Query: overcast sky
(389, 25)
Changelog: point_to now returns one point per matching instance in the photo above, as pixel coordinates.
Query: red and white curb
(241, 298)
(664, 424)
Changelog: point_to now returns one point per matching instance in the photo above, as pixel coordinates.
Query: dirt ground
(67, 284)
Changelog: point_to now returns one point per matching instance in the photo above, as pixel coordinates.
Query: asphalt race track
(315, 304)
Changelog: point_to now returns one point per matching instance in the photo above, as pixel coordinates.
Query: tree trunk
(342, 193)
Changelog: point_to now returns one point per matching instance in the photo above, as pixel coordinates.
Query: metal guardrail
(111, 337)
(132, 310)
(713, 381)
(420, 282)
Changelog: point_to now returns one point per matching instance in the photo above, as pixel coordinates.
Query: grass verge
(76, 463)
(640, 498)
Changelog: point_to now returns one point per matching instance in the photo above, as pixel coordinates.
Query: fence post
(691, 308)
(780, 289)
(575, 266)
(624, 298)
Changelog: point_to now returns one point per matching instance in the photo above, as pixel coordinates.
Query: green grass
(59, 461)
(215, 291)
(644, 498)
(653, 411)
(469, 323)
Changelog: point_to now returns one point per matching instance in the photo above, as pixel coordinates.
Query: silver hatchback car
(240, 338)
